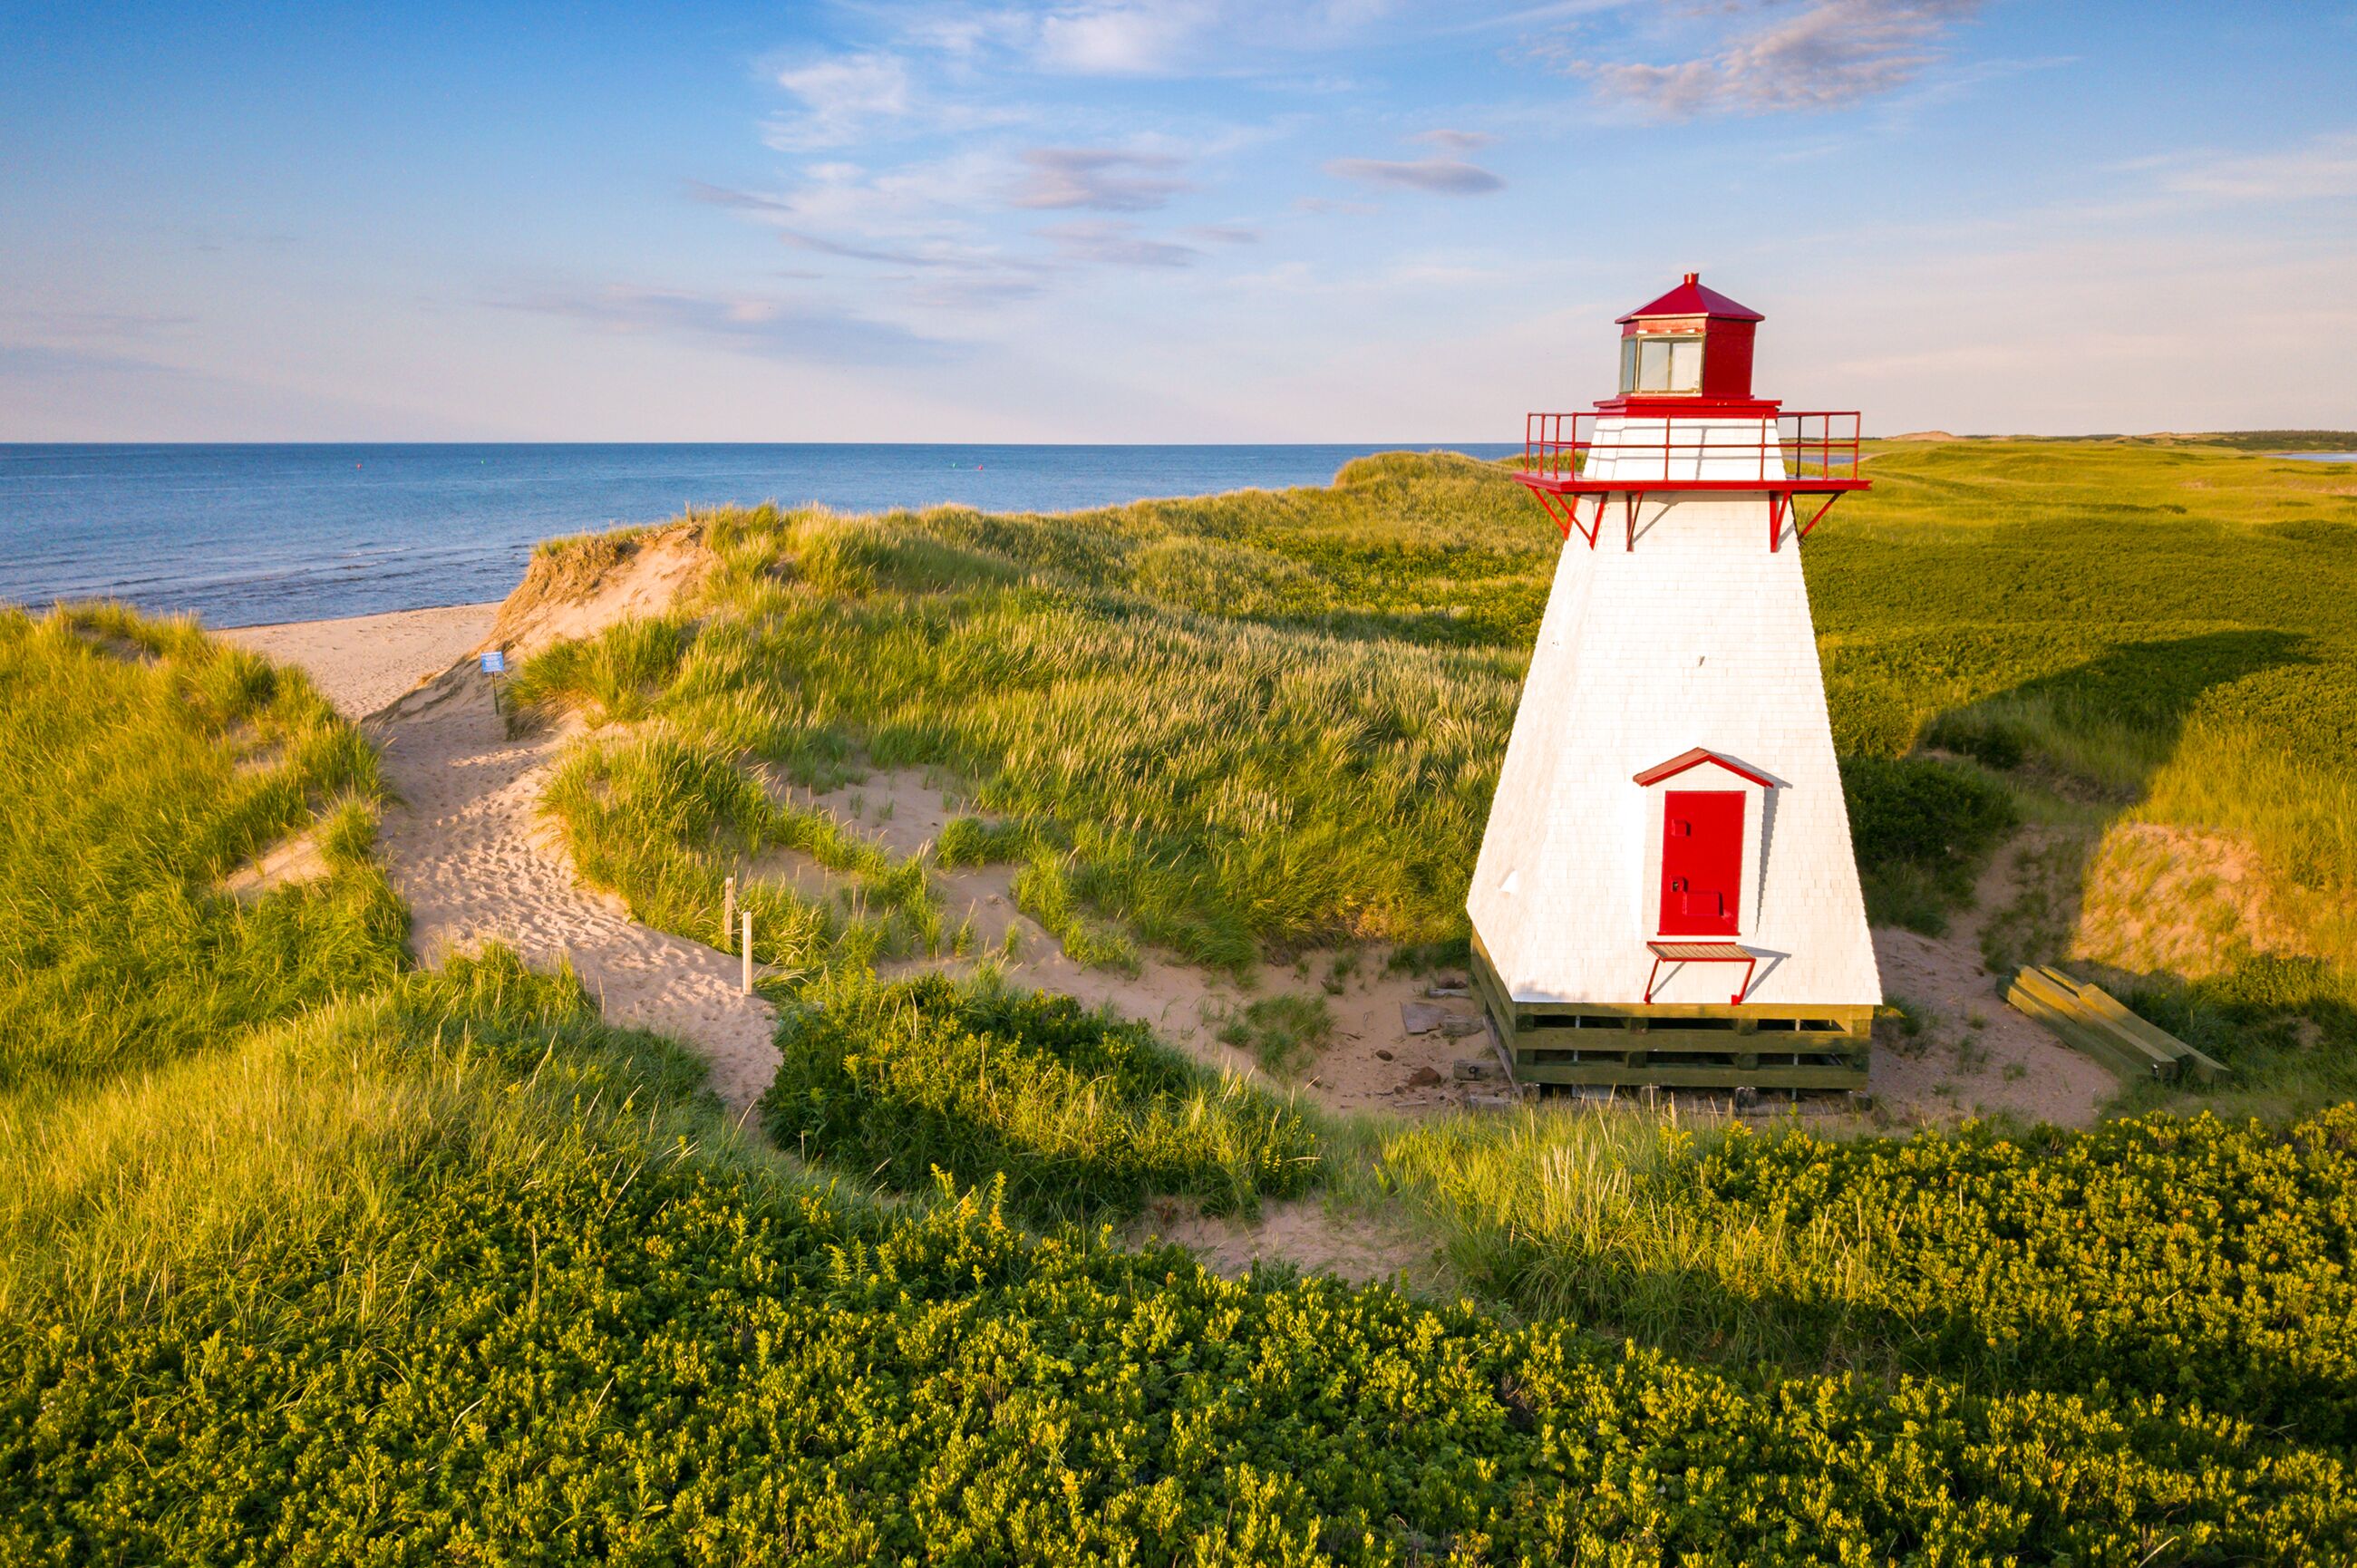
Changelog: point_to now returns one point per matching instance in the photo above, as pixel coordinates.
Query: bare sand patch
(1975, 1055)
(293, 859)
(2177, 901)
(360, 663)
(1301, 1231)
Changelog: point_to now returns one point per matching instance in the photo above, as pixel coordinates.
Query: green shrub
(2184, 1259)
(1921, 828)
(543, 1318)
(1081, 1115)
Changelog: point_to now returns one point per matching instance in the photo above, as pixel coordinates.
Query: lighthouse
(1666, 892)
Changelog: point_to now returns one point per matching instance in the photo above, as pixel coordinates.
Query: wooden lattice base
(1677, 1045)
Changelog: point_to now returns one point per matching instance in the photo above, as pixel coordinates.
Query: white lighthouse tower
(1666, 892)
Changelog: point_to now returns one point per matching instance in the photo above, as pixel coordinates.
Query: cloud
(821, 245)
(742, 200)
(138, 326)
(1137, 39)
(763, 325)
(842, 99)
(1833, 53)
(1225, 233)
(969, 293)
(46, 362)
(1234, 39)
(1097, 178)
(1454, 141)
(2324, 168)
(1109, 243)
(1443, 177)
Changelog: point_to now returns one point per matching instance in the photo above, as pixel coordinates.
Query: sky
(1160, 220)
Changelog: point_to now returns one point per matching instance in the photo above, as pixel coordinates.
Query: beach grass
(442, 1266)
(142, 765)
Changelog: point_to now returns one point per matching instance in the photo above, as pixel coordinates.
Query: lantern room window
(1661, 364)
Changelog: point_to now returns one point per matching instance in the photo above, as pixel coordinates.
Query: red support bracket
(1634, 499)
(1683, 953)
(1563, 511)
(1818, 516)
(1777, 503)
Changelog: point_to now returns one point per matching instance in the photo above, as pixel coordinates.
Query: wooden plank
(1493, 995)
(1607, 1073)
(1591, 1044)
(1846, 1019)
(2100, 1046)
(2208, 1069)
(2086, 1042)
(2063, 997)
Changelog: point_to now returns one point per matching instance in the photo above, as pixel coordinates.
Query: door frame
(1707, 773)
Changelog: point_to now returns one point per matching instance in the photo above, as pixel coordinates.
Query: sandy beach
(362, 663)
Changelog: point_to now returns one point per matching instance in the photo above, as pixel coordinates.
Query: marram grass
(140, 765)
(442, 1267)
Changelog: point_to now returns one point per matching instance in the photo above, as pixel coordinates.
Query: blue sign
(495, 663)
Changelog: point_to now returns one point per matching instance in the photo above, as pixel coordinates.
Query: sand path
(469, 851)
(2003, 1062)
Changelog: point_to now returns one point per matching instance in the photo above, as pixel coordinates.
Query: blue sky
(1116, 220)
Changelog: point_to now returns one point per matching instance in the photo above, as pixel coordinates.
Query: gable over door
(1702, 862)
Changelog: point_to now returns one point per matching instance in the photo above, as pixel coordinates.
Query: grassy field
(441, 1267)
(307, 1256)
(1238, 725)
(2134, 637)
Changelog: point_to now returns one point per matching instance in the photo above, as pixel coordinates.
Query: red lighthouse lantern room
(1687, 419)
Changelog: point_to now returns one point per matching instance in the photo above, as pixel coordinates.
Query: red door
(1702, 862)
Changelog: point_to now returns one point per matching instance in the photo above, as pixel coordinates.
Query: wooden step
(2088, 1041)
(2104, 1006)
(2092, 1021)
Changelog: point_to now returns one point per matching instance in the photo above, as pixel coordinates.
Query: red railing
(1674, 451)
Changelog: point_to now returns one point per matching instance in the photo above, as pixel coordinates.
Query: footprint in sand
(466, 851)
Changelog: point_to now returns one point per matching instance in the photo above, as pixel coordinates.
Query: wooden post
(728, 909)
(749, 952)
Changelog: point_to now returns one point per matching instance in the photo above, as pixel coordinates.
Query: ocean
(246, 535)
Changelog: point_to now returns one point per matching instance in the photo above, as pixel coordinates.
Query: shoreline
(361, 663)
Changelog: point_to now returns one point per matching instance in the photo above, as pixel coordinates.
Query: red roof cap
(1696, 758)
(1690, 298)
